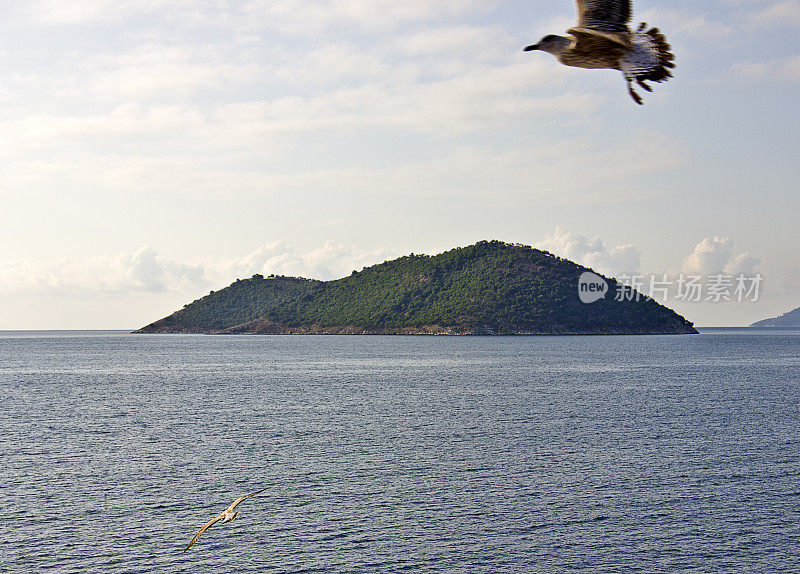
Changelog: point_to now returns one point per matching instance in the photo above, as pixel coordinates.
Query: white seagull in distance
(602, 39)
(225, 516)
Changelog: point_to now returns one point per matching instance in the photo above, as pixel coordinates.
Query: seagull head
(551, 43)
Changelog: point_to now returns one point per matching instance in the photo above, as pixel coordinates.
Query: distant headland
(790, 320)
(490, 288)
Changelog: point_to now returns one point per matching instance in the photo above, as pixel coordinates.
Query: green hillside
(486, 288)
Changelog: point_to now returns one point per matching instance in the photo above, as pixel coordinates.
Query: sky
(154, 150)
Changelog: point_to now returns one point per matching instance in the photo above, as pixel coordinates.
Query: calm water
(401, 454)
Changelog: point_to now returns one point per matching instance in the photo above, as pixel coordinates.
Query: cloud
(145, 272)
(302, 17)
(715, 255)
(335, 62)
(194, 148)
(556, 24)
(139, 272)
(473, 99)
(313, 16)
(744, 264)
(479, 41)
(692, 24)
(238, 159)
(80, 12)
(155, 71)
(593, 253)
(786, 13)
(773, 70)
(330, 261)
(535, 170)
(709, 256)
(249, 113)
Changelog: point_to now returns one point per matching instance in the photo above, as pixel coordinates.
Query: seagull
(225, 516)
(602, 39)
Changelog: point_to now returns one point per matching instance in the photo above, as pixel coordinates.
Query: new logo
(591, 287)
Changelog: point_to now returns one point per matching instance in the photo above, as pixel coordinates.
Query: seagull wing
(245, 497)
(203, 528)
(604, 18)
(608, 15)
(595, 51)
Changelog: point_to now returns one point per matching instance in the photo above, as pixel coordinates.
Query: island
(790, 320)
(490, 288)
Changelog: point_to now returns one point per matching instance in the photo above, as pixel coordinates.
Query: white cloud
(786, 13)
(77, 11)
(330, 261)
(593, 253)
(475, 41)
(161, 72)
(744, 263)
(481, 96)
(57, 12)
(692, 24)
(170, 116)
(303, 17)
(142, 271)
(554, 25)
(191, 147)
(313, 16)
(535, 170)
(773, 70)
(709, 256)
(105, 12)
(715, 255)
(206, 161)
(146, 273)
(335, 62)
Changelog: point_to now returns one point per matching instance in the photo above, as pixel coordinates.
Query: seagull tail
(661, 72)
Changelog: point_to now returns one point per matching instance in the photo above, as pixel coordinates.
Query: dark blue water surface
(401, 454)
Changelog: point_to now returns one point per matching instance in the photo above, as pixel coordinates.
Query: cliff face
(484, 289)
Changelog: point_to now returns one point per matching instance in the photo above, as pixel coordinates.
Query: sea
(388, 454)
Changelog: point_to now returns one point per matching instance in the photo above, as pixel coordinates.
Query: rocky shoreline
(265, 327)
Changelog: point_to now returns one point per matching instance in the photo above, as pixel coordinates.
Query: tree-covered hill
(486, 288)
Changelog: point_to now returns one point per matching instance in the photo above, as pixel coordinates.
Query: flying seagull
(225, 516)
(602, 39)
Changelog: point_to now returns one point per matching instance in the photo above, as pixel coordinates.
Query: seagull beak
(532, 47)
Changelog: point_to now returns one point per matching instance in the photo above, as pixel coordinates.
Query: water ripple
(401, 454)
